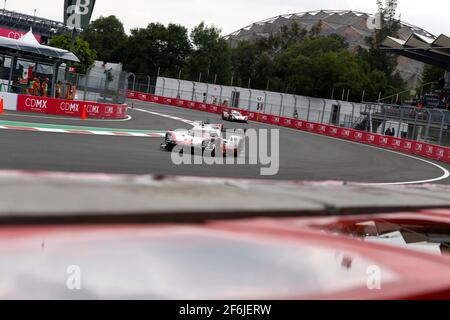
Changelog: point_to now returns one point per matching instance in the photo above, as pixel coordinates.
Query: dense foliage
(81, 48)
(292, 61)
(107, 37)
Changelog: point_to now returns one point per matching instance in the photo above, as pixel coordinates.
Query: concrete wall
(309, 108)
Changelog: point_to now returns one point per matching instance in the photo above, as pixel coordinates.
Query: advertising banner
(447, 155)
(26, 103)
(78, 13)
(15, 34)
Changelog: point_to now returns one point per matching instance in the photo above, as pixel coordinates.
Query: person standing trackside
(23, 85)
(388, 132)
(58, 90)
(44, 87)
(36, 87)
(31, 87)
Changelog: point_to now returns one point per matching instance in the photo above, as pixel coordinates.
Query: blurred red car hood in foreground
(86, 237)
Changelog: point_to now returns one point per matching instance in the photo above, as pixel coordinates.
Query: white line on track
(446, 173)
(166, 116)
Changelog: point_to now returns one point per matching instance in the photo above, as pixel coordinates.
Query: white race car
(205, 137)
(234, 116)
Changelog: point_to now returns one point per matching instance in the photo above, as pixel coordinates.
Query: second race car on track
(234, 116)
(209, 138)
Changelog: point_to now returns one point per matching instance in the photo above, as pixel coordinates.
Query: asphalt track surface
(303, 156)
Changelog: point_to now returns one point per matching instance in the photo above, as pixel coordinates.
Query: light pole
(4, 5)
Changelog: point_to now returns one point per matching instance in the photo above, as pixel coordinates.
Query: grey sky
(230, 15)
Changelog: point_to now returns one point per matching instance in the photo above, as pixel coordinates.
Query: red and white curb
(85, 132)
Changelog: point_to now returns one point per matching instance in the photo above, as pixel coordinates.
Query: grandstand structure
(14, 22)
(354, 26)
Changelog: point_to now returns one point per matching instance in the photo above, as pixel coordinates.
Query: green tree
(243, 60)
(432, 74)
(211, 55)
(106, 35)
(377, 58)
(158, 47)
(291, 34)
(81, 49)
(321, 64)
(316, 29)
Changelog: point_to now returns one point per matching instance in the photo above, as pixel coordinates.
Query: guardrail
(422, 149)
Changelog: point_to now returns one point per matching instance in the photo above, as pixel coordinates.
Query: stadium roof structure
(352, 25)
(24, 22)
(27, 46)
(433, 51)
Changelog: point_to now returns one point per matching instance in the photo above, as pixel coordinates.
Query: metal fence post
(353, 115)
(221, 92)
(86, 81)
(441, 132)
(281, 104)
(323, 111)
(164, 86)
(413, 137)
(427, 131)
(250, 100)
(309, 110)
(400, 124)
(148, 83)
(178, 90)
(134, 81)
(295, 105)
(265, 101)
(384, 121)
(105, 91)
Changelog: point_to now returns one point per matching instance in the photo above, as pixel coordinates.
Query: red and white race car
(209, 138)
(234, 116)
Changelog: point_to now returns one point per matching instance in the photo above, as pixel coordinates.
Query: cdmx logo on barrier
(69, 106)
(93, 108)
(74, 107)
(36, 103)
(110, 110)
(235, 147)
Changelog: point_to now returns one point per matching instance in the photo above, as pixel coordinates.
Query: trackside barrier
(71, 108)
(422, 149)
(9, 100)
